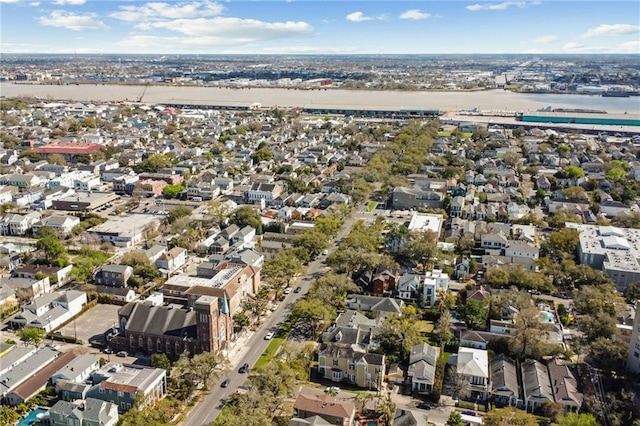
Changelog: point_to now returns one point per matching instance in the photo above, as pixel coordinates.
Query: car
(274, 308)
(332, 389)
(108, 350)
(424, 406)
(122, 354)
(325, 252)
(244, 368)
(468, 413)
(297, 289)
(268, 336)
(287, 290)
(225, 383)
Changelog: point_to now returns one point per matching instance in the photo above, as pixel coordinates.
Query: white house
(61, 224)
(51, 310)
(422, 367)
(15, 224)
(473, 365)
(434, 282)
(172, 260)
(521, 249)
(78, 370)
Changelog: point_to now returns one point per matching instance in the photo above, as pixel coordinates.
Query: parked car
(325, 252)
(297, 289)
(468, 413)
(244, 368)
(122, 354)
(287, 290)
(225, 383)
(273, 308)
(332, 389)
(424, 406)
(268, 336)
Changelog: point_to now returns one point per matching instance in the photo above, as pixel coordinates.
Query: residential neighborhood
(267, 265)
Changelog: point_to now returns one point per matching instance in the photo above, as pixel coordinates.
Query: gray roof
(423, 371)
(504, 376)
(160, 320)
(27, 368)
(119, 269)
(564, 384)
(424, 352)
(77, 366)
(535, 381)
(91, 409)
(309, 421)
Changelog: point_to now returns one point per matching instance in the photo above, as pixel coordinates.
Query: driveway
(93, 323)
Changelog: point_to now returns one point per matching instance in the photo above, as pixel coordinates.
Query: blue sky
(310, 27)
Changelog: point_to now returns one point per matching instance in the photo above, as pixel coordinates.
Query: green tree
(32, 335)
(8, 416)
(573, 172)
(562, 244)
(172, 191)
(577, 419)
(56, 159)
(161, 361)
(422, 248)
(51, 247)
(314, 314)
(561, 217)
(608, 355)
(616, 174)
(141, 265)
(632, 293)
(331, 290)
(262, 154)
(283, 269)
(178, 212)
(474, 314)
(399, 333)
(444, 328)
(247, 216)
(455, 419)
(313, 241)
(509, 416)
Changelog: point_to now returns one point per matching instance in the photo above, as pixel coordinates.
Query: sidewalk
(239, 349)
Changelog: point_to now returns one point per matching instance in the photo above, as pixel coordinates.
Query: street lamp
(48, 318)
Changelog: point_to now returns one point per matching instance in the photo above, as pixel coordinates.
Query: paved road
(206, 410)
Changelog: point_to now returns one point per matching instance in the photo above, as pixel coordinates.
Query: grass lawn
(426, 327)
(270, 352)
(372, 205)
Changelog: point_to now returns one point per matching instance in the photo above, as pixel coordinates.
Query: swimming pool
(33, 417)
(548, 317)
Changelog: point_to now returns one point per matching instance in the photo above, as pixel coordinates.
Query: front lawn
(372, 205)
(270, 352)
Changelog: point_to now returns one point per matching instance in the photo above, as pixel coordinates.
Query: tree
(446, 300)
(200, 371)
(444, 328)
(455, 419)
(56, 159)
(474, 314)
(51, 247)
(458, 384)
(262, 154)
(552, 410)
(161, 361)
(311, 312)
(172, 191)
(632, 293)
(399, 333)
(178, 212)
(608, 355)
(8, 415)
(509, 416)
(422, 248)
(246, 216)
(331, 290)
(282, 270)
(616, 174)
(562, 244)
(577, 419)
(240, 322)
(573, 172)
(141, 265)
(313, 241)
(575, 193)
(531, 331)
(32, 335)
(561, 217)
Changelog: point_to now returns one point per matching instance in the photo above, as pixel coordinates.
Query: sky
(319, 27)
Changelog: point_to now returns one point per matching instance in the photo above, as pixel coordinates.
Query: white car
(325, 252)
(287, 290)
(268, 336)
(332, 389)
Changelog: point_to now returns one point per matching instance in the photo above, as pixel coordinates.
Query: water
(445, 101)
(32, 418)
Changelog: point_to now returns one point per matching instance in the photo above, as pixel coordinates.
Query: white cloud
(573, 47)
(232, 28)
(630, 47)
(545, 39)
(358, 17)
(501, 6)
(8, 1)
(72, 21)
(69, 2)
(615, 29)
(34, 3)
(415, 14)
(154, 11)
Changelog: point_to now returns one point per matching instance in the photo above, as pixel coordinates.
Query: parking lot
(93, 323)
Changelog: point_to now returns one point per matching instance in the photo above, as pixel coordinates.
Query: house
(26, 288)
(473, 366)
(332, 410)
(87, 412)
(435, 281)
(504, 381)
(344, 356)
(172, 259)
(462, 269)
(51, 310)
(16, 224)
(536, 384)
(565, 385)
(126, 385)
(30, 377)
(422, 367)
(61, 224)
(480, 339)
(379, 305)
(113, 275)
(521, 249)
(259, 191)
(119, 294)
(78, 370)
(72, 391)
(408, 287)
(57, 276)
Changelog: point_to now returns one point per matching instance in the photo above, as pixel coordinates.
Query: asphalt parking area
(93, 323)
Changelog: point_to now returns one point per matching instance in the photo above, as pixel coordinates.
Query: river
(330, 98)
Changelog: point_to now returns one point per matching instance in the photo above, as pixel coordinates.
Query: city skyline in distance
(320, 27)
